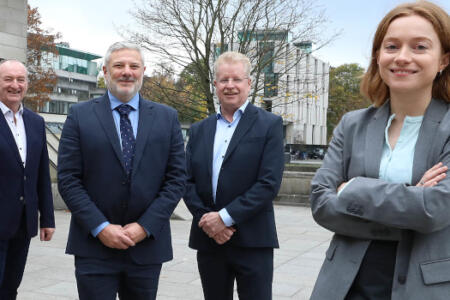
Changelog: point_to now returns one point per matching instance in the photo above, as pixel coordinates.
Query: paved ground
(50, 273)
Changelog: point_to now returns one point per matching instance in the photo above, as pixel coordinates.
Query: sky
(93, 25)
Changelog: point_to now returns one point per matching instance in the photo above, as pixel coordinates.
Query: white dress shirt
(17, 129)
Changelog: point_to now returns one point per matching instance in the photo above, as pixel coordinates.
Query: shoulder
(358, 116)
(158, 106)
(35, 117)
(86, 104)
(203, 123)
(444, 108)
(266, 115)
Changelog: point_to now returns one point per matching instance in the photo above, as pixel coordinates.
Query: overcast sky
(91, 25)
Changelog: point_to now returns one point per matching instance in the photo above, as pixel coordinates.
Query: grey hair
(119, 46)
(233, 57)
(18, 61)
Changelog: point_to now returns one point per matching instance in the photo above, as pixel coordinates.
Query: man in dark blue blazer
(25, 187)
(235, 165)
(121, 173)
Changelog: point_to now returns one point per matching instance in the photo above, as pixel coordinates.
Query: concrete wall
(13, 29)
(295, 188)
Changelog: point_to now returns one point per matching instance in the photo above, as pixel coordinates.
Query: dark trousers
(13, 256)
(104, 279)
(375, 276)
(251, 267)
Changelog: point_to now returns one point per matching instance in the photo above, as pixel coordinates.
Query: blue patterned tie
(126, 133)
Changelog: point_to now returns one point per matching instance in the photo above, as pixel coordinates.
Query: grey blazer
(372, 209)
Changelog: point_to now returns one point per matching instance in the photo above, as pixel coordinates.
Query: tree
(101, 83)
(191, 33)
(41, 49)
(180, 94)
(344, 93)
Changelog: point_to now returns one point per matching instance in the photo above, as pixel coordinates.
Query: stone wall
(13, 29)
(295, 188)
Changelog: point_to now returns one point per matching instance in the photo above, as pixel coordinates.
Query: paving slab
(49, 273)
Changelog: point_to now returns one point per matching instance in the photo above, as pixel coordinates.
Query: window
(270, 85)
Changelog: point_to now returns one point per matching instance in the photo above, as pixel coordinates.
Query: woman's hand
(341, 186)
(433, 175)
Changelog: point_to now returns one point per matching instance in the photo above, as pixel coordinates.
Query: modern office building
(77, 78)
(13, 29)
(293, 85)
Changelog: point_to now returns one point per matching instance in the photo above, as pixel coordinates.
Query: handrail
(51, 132)
(48, 130)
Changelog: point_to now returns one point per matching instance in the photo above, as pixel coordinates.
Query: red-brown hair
(372, 86)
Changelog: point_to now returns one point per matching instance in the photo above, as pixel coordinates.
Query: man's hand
(113, 236)
(224, 236)
(211, 223)
(135, 232)
(46, 234)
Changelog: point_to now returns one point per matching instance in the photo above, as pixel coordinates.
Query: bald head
(13, 83)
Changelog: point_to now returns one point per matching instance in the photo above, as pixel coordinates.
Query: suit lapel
(102, 109)
(210, 133)
(245, 123)
(145, 126)
(427, 133)
(5, 131)
(375, 140)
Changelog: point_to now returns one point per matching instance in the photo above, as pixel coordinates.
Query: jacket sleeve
(423, 209)
(158, 213)
(70, 172)
(327, 207)
(193, 201)
(46, 211)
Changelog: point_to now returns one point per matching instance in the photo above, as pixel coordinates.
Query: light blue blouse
(396, 165)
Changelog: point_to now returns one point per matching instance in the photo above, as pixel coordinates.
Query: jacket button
(21, 198)
(401, 279)
(24, 177)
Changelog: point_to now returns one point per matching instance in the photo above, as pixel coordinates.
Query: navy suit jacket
(248, 182)
(94, 184)
(26, 187)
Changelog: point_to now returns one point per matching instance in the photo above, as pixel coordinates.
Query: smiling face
(124, 73)
(232, 86)
(410, 56)
(13, 84)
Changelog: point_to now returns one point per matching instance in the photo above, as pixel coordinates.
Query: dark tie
(126, 133)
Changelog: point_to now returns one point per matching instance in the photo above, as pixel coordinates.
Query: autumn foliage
(183, 94)
(42, 78)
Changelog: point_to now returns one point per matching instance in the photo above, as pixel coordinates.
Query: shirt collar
(134, 102)
(5, 109)
(240, 109)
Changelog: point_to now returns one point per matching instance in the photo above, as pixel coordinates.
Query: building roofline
(77, 53)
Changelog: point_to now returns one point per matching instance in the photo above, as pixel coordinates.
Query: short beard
(123, 96)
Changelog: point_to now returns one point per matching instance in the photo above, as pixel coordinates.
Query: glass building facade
(77, 76)
(75, 61)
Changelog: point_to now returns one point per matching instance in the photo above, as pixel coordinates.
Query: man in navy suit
(235, 165)
(121, 173)
(25, 187)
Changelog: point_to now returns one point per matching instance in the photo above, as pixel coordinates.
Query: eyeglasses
(233, 80)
